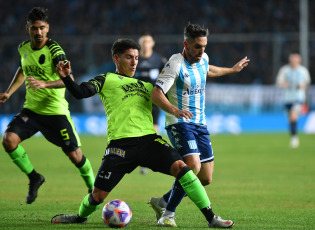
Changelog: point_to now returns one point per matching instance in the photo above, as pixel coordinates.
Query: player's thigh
(112, 170)
(193, 162)
(60, 130)
(158, 155)
(205, 146)
(23, 125)
(206, 172)
(183, 140)
(295, 111)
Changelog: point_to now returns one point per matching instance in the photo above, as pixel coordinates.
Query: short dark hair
(192, 31)
(123, 44)
(37, 13)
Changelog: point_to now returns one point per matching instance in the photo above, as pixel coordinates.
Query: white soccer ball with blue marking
(116, 214)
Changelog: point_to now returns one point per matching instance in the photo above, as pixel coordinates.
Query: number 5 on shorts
(64, 134)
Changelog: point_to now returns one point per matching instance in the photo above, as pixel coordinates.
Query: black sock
(207, 212)
(32, 175)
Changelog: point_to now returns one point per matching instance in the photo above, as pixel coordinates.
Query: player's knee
(9, 143)
(176, 167)
(205, 181)
(75, 156)
(194, 166)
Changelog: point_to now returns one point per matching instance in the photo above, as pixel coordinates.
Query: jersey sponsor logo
(33, 70)
(194, 91)
(192, 144)
(115, 151)
(135, 89)
(132, 87)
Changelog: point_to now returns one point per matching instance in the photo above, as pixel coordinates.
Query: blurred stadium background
(265, 31)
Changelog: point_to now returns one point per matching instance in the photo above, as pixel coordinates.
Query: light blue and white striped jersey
(184, 84)
(294, 78)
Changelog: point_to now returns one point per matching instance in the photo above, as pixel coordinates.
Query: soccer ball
(116, 214)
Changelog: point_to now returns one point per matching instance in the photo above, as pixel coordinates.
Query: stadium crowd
(82, 31)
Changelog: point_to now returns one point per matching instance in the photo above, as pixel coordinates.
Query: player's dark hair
(123, 44)
(37, 14)
(192, 31)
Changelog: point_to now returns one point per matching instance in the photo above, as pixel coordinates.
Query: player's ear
(115, 58)
(185, 44)
(47, 27)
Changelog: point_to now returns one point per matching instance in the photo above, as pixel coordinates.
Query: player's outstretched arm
(78, 91)
(215, 71)
(158, 98)
(17, 81)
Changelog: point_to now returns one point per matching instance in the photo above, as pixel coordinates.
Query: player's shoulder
(51, 42)
(205, 56)
(52, 45)
(285, 68)
(303, 68)
(24, 43)
(176, 59)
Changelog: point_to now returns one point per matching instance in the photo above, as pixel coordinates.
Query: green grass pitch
(259, 182)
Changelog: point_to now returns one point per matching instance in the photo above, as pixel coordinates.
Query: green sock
(86, 208)
(194, 189)
(20, 158)
(87, 174)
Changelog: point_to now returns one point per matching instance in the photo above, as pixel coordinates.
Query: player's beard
(192, 59)
(39, 39)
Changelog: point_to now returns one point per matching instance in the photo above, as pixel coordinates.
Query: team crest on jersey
(25, 55)
(41, 59)
(168, 65)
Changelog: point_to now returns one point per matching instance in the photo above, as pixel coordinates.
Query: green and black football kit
(132, 138)
(45, 110)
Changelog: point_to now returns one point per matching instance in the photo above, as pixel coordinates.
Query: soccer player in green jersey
(45, 108)
(131, 135)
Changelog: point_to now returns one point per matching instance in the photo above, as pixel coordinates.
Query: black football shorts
(124, 155)
(58, 129)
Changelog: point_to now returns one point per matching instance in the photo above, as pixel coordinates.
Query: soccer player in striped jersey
(180, 91)
(45, 108)
(295, 79)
